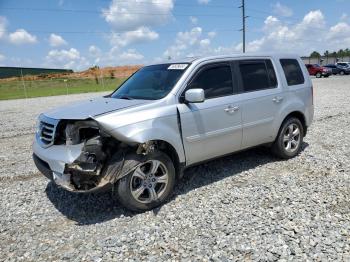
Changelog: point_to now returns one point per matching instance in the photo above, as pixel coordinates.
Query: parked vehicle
(167, 117)
(318, 71)
(338, 69)
(345, 64)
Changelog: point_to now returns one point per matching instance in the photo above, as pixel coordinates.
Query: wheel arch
(299, 115)
(170, 150)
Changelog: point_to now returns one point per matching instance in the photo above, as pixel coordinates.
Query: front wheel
(289, 139)
(318, 75)
(149, 184)
(342, 73)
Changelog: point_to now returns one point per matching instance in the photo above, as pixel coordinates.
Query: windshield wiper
(125, 97)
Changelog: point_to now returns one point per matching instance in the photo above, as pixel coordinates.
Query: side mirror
(195, 95)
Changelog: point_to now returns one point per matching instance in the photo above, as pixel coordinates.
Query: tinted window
(292, 71)
(150, 82)
(257, 75)
(216, 81)
(272, 74)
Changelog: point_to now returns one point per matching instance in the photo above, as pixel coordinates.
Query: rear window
(292, 71)
(257, 75)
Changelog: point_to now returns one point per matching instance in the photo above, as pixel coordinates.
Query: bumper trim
(43, 167)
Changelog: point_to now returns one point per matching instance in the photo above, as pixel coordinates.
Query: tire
(288, 142)
(318, 75)
(342, 73)
(141, 194)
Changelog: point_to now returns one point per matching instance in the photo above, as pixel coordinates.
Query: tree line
(339, 53)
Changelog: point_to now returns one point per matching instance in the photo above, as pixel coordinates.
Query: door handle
(231, 109)
(277, 99)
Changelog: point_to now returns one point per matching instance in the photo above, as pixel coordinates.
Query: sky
(78, 34)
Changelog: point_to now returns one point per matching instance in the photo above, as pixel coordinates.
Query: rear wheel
(342, 73)
(149, 184)
(318, 75)
(289, 139)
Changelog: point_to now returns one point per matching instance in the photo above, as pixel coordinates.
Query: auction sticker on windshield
(177, 66)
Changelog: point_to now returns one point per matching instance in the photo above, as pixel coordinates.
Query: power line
(177, 4)
(108, 32)
(105, 12)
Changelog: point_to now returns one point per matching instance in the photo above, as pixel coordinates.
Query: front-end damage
(84, 170)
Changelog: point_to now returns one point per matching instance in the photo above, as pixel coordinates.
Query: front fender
(164, 128)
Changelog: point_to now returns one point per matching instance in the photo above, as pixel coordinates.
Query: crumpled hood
(92, 107)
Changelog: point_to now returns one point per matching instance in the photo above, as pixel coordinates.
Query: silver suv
(166, 117)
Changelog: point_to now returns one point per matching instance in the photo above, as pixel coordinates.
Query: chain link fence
(38, 86)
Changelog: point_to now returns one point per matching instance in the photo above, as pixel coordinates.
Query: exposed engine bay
(86, 173)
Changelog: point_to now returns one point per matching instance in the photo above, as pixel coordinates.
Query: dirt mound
(93, 72)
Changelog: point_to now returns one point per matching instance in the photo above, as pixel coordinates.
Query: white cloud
(314, 17)
(62, 55)
(142, 34)
(194, 20)
(271, 20)
(204, 43)
(189, 43)
(21, 36)
(204, 2)
(130, 56)
(3, 25)
(282, 10)
(132, 14)
(211, 34)
(94, 50)
(2, 58)
(311, 33)
(115, 56)
(66, 58)
(339, 35)
(57, 40)
(344, 16)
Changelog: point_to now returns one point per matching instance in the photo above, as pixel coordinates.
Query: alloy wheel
(291, 138)
(149, 181)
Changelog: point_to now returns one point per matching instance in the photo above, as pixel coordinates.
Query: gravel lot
(248, 206)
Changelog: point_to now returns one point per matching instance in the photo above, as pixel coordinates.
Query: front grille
(46, 131)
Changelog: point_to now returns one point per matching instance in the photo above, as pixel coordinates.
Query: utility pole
(244, 17)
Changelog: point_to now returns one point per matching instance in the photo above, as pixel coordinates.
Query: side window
(272, 74)
(216, 81)
(292, 71)
(257, 75)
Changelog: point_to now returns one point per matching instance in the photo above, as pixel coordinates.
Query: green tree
(315, 54)
(347, 51)
(341, 53)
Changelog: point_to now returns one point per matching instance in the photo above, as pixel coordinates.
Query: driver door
(214, 127)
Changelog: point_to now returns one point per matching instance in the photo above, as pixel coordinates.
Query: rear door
(214, 127)
(263, 99)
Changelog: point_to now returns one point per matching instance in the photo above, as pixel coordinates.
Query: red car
(318, 71)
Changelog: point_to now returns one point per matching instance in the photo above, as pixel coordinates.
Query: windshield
(151, 82)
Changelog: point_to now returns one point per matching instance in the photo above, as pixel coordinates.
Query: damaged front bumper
(58, 163)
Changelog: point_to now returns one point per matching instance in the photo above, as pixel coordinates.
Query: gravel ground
(248, 206)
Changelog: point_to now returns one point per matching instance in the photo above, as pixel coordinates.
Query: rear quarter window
(292, 71)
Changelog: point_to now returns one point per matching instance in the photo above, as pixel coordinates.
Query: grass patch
(53, 87)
